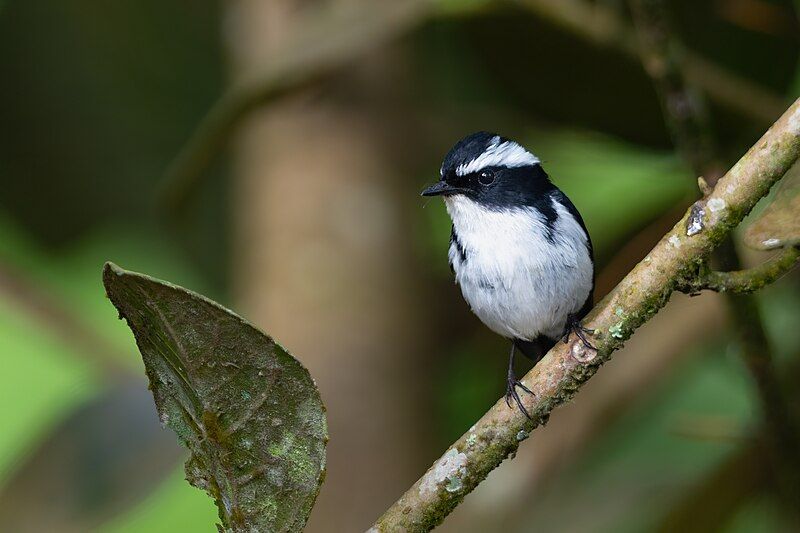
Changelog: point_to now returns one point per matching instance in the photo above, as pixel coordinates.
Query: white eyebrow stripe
(506, 154)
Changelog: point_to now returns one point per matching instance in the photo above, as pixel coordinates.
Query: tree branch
(561, 373)
(743, 281)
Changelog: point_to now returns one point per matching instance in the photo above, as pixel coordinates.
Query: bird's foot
(512, 394)
(574, 325)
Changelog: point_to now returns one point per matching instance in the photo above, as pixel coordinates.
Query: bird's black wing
(562, 198)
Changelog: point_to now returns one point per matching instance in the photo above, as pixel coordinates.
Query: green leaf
(249, 412)
(778, 225)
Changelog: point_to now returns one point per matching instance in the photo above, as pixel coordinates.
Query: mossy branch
(566, 367)
(743, 281)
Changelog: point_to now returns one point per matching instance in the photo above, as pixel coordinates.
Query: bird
(519, 249)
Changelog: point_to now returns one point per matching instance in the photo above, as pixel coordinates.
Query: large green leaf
(248, 411)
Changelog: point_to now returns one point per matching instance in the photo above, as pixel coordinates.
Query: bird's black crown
(468, 149)
(494, 171)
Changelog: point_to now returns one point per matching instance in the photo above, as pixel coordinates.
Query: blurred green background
(309, 223)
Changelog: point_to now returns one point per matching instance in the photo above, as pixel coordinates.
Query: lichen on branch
(676, 258)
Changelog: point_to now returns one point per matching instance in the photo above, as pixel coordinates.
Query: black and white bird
(519, 249)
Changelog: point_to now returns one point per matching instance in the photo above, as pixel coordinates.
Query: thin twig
(558, 376)
(744, 281)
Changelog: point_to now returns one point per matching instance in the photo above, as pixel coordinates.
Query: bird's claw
(512, 394)
(574, 326)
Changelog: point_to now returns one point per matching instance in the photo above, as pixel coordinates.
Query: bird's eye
(486, 177)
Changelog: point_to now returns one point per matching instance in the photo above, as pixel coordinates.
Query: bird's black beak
(439, 189)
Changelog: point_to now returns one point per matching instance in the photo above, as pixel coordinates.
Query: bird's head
(492, 171)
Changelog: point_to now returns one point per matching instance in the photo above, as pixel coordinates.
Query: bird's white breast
(518, 276)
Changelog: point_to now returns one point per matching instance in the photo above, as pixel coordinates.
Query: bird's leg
(574, 325)
(513, 383)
